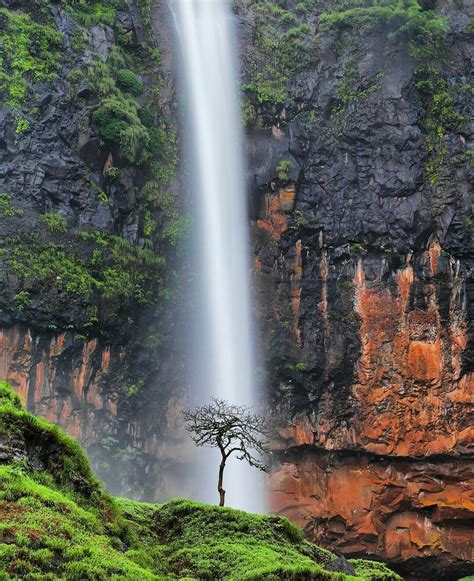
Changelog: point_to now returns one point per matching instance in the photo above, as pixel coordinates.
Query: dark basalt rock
(342, 565)
(365, 286)
(363, 278)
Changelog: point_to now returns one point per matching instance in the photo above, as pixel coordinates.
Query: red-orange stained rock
(424, 360)
(276, 209)
(410, 398)
(35, 379)
(105, 360)
(434, 253)
(361, 503)
(408, 359)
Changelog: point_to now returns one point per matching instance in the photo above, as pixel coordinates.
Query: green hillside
(57, 522)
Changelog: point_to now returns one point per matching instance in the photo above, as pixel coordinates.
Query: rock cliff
(90, 227)
(360, 150)
(358, 117)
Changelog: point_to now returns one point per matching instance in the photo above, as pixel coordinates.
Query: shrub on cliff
(118, 121)
(29, 54)
(128, 81)
(406, 19)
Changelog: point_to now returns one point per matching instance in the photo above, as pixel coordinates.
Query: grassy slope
(58, 523)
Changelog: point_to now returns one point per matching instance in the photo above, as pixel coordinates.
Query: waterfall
(223, 351)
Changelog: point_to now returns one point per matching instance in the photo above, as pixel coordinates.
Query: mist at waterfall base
(222, 353)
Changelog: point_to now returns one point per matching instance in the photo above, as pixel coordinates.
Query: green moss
(8, 396)
(371, 570)
(438, 98)
(351, 88)
(22, 125)
(406, 20)
(89, 13)
(57, 523)
(301, 366)
(55, 223)
(89, 266)
(128, 81)
(284, 48)
(6, 207)
(29, 55)
(283, 168)
(68, 466)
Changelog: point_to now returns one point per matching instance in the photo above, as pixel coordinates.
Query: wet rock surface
(363, 242)
(364, 264)
(94, 361)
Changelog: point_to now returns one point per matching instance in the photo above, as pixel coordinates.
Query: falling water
(224, 364)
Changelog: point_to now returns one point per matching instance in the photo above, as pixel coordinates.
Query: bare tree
(231, 428)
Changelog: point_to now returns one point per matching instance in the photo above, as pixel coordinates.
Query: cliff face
(361, 155)
(90, 223)
(359, 138)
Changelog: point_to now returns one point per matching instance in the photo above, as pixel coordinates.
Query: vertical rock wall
(364, 259)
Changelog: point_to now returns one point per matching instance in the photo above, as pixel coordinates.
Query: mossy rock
(57, 522)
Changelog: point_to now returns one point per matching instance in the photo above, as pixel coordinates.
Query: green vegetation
(29, 54)
(55, 223)
(299, 222)
(83, 282)
(22, 125)
(121, 120)
(405, 19)
(118, 121)
(301, 366)
(22, 300)
(284, 49)
(128, 81)
(88, 12)
(6, 207)
(283, 169)
(93, 262)
(437, 97)
(69, 467)
(57, 523)
(350, 88)
(173, 226)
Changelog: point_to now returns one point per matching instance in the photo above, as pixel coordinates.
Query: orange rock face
(397, 509)
(411, 396)
(276, 208)
(59, 380)
(383, 465)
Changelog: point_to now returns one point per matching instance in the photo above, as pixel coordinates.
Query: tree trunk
(220, 482)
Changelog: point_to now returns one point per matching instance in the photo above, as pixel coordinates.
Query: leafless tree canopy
(231, 428)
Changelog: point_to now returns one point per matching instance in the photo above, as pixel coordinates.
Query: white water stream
(224, 346)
